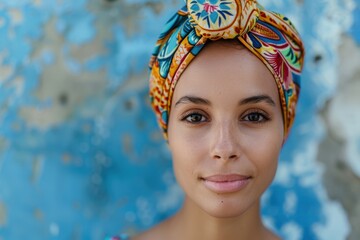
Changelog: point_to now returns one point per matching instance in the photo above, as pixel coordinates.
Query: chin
(224, 207)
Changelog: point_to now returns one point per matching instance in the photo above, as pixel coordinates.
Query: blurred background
(81, 156)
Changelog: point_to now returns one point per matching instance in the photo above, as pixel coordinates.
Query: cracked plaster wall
(81, 156)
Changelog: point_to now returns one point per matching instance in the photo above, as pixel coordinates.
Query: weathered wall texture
(81, 156)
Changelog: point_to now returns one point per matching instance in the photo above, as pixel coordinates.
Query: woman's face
(225, 129)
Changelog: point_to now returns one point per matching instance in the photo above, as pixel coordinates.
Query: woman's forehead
(223, 68)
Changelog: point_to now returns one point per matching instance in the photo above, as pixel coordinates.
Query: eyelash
(262, 115)
(185, 118)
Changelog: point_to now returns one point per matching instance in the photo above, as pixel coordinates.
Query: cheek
(188, 154)
(184, 168)
(182, 153)
(267, 152)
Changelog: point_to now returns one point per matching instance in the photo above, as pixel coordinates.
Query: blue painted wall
(81, 156)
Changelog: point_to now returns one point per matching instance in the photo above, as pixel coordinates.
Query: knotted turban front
(268, 35)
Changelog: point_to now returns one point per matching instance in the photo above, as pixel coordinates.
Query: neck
(192, 222)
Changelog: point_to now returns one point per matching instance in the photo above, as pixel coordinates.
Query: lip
(226, 183)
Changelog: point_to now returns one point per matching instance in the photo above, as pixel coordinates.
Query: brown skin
(225, 132)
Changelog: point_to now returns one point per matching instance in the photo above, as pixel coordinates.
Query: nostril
(230, 157)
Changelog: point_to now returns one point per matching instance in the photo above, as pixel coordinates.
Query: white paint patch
(18, 84)
(343, 115)
(283, 177)
(16, 16)
(292, 231)
(304, 164)
(337, 225)
(54, 229)
(37, 3)
(291, 201)
(5, 70)
(310, 174)
(344, 119)
(37, 168)
(145, 212)
(336, 19)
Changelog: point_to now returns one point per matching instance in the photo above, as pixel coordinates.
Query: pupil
(195, 118)
(254, 117)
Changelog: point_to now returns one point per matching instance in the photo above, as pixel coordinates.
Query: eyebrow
(192, 99)
(249, 100)
(258, 98)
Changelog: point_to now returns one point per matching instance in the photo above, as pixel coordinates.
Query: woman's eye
(195, 118)
(255, 117)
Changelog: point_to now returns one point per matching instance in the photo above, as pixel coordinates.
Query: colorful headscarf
(268, 35)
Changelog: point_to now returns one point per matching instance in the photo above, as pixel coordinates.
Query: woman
(226, 115)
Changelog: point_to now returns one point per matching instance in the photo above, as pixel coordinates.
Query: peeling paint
(38, 214)
(3, 214)
(37, 168)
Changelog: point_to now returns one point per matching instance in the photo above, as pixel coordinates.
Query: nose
(225, 143)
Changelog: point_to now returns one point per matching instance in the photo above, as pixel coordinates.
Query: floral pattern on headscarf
(268, 35)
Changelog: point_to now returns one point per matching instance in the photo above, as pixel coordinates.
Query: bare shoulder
(160, 231)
